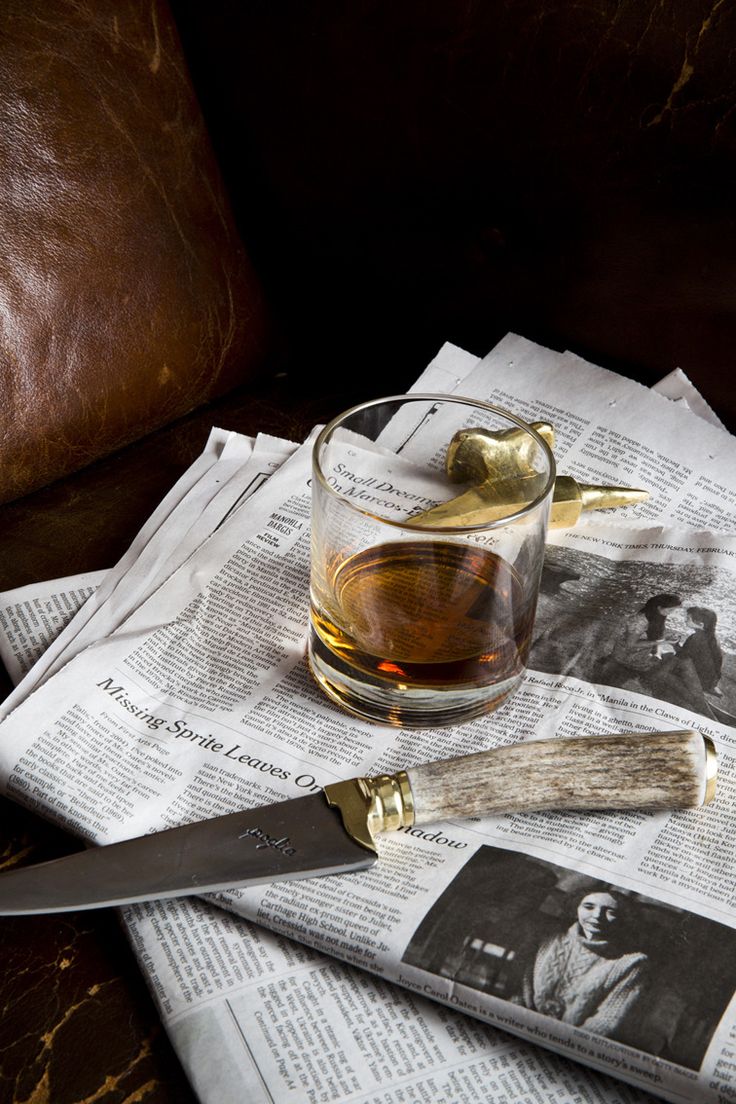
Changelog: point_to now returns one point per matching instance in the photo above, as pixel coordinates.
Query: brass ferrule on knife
(368, 806)
(711, 770)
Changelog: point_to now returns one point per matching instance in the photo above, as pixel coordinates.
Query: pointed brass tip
(606, 498)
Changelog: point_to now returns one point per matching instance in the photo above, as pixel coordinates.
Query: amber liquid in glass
(424, 614)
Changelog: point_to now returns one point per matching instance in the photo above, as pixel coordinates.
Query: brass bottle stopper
(476, 455)
(501, 467)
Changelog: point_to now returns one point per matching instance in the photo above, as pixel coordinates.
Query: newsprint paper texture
(152, 722)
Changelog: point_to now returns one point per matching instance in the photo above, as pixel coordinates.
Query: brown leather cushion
(126, 298)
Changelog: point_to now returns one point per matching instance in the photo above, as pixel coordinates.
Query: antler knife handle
(662, 770)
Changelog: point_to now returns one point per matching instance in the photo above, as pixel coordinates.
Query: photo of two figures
(667, 631)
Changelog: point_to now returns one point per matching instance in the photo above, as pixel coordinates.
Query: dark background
(406, 174)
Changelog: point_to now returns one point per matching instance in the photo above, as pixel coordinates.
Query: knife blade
(335, 831)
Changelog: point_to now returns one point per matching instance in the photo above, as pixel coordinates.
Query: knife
(335, 831)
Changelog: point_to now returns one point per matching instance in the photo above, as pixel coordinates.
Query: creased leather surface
(76, 1023)
(126, 298)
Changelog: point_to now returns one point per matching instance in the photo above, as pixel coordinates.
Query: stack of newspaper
(462, 967)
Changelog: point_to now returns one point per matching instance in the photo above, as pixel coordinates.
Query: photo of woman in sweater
(568, 955)
(589, 975)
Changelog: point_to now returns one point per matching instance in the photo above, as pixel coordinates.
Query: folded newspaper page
(224, 958)
(227, 947)
(248, 727)
(608, 429)
(228, 472)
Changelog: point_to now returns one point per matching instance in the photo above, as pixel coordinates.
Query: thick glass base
(390, 703)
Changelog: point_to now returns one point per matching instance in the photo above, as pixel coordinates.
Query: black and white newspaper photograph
(667, 631)
(582, 951)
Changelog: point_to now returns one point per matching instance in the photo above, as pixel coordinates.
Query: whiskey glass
(424, 569)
